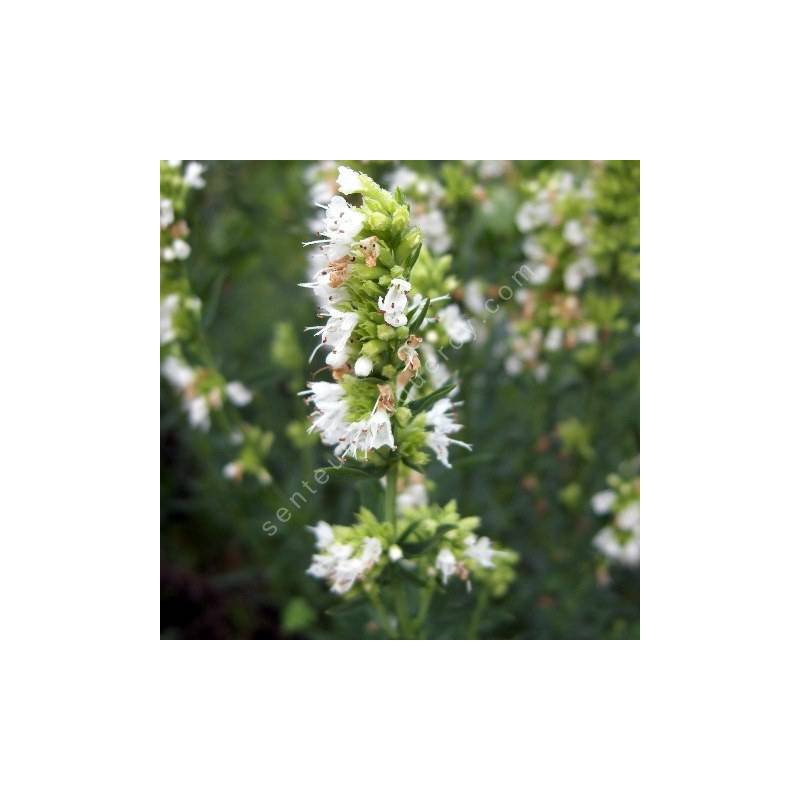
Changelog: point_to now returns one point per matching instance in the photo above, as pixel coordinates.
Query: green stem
(406, 628)
(424, 605)
(375, 598)
(391, 498)
(480, 607)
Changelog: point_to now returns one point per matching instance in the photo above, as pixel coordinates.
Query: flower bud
(395, 553)
(410, 243)
(363, 366)
(399, 220)
(403, 415)
(373, 348)
(385, 333)
(378, 221)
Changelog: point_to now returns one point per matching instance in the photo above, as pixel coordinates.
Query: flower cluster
(619, 539)
(433, 546)
(372, 316)
(185, 363)
(379, 293)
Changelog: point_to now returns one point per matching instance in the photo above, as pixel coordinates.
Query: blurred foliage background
(550, 418)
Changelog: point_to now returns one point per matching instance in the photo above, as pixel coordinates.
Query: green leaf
(408, 531)
(420, 317)
(424, 403)
(412, 257)
(417, 548)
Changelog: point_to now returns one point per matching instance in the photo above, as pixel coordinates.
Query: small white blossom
(434, 229)
(577, 272)
(199, 413)
(603, 502)
(455, 325)
(608, 543)
(395, 302)
(554, 339)
(340, 227)
(178, 374)
(446, 563)
(628, 518)
(169, 305)
(532, 214)
(193, 175)
(413, 496)
(324, 534)
(335, 333)
(232, 471)
(167, 212)
(539, 274)
(349, 181)
(480, 550)
(402, 178)
(441, 423)
(395, 553)
(368, 434)
(363, 367)
(238, 393)
(573, 233)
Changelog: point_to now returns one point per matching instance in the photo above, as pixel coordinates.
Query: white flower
(436, 369)
(335, 562)
(395, 553)
(628, 518)
(178, 374)
(532, 214)
(402, 178)
(345, 574)
(371, 552)
(538, 274)
(193, 176)
(513, 365)
(480, 550)
(197, 408)
(446, 563)
(340, 227)
(238, 393)
(434, 229)
(232, 471)
(473, 296)
(603, 501)
(324, 534)
(178, 249)
(169, 305)
(363, 367)
(335, 333)
(554, 339)
(532, 249)
(395, 302)
(577, 272)
(587, 333)
(368, 434)
(573, 232)
(413, 496)
(456, 327)
(439, 418)
(491, 169)
(167, 212)
(330, 414)
(608, 543)
(326, 281)
(349, 181)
